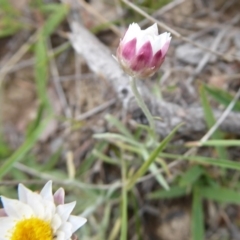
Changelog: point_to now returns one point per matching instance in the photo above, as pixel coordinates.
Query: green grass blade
(174, 192)
(223, 163)
(151, 159)
(52, 161)
(223, 195)
(104, 158)
(210, 120)
(124, 202)
(115, 122)
(41, 69)
(222, 97)
(59, 12)
(191, 176)
(114, 136)
(222, 143)
(23, 149)
(197, 216)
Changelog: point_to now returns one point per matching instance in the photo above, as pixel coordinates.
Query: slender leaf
(222, 97)
(115, 122)
(191, 176)
(23, 149)
(110, 136)
(224, 143)
(59, 13)
(205, 160)
(41, 69)
(174, 192)
(223, 195)
(197, 216)
(210, 120)
(124, 202)
(152, 158)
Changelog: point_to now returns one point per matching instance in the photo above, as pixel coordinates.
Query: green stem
(142, 104)
(124, 200)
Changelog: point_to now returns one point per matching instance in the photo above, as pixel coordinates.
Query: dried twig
(214, 47)
(162, 11)
(58, 86)
(221, 119)
(16, 57)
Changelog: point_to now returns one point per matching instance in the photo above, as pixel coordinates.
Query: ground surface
(53, 105)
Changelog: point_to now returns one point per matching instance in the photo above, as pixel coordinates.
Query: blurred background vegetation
(128, 184)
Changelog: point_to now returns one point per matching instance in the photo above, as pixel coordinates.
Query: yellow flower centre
(32, 229)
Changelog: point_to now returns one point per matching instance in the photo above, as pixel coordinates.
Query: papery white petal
(50, 210)
(76, 222)
(59, 196)
(6, 224)
(132, 32)
(141, 40)
(65, 210)
(60, 235)
(23, 193)
(46, 192)
(67, 229)
(56, 222)
(152, 30)
(37, 205)
(16, 209)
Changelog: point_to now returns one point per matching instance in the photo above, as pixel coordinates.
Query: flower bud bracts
(142, 52)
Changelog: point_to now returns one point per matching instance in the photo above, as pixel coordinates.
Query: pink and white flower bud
(142, 52)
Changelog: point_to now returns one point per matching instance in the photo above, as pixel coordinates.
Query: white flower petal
(50, 210)
(16, 209)
(43, 206)
(26, 196)
(23, 193)
(60, 235)
(6, 224)
(67, 229)
(56, 222)
(36, 204)
(141, 40)
(152, 30)
(65, 210)
(132, 32)
(160, 41)
(46, 192)
(76, 222)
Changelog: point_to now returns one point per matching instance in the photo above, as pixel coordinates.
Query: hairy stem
(142, 104)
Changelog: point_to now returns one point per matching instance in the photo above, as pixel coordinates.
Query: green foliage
(129, 142)
(133, 153)
(23, 149)
(221, 96)
(197, 216)
(191, 176)
(174, 192)
(210, 120)
(155, 153)
(10, 23)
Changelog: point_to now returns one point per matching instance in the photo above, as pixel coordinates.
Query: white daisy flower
(38, 216)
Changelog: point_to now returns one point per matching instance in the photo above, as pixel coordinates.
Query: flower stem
(142, 104)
